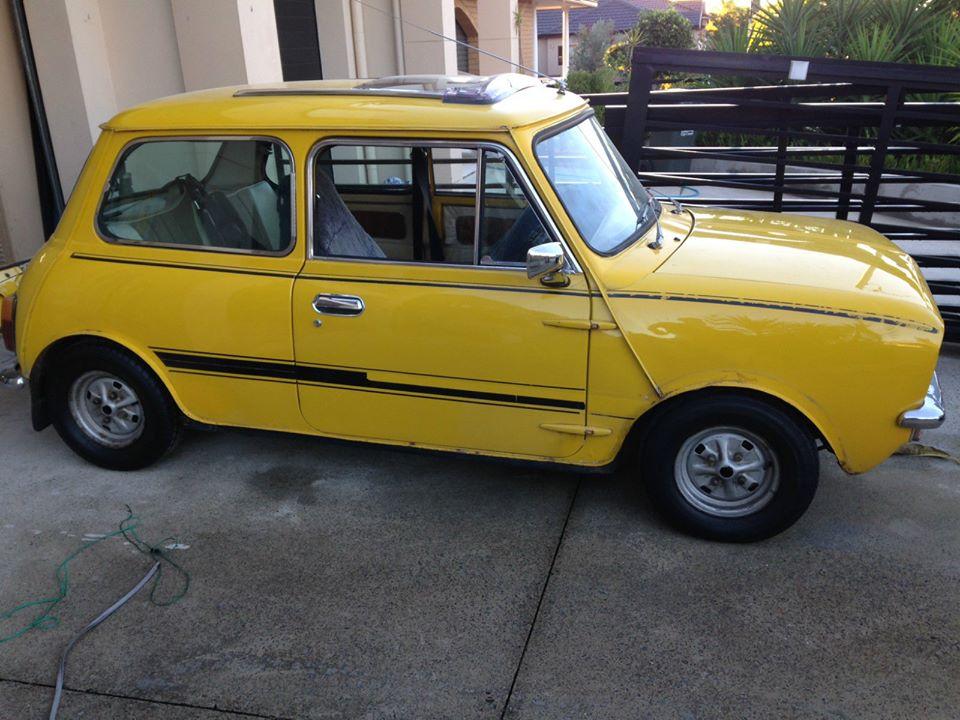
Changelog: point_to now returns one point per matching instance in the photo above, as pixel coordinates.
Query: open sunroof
(464, 89)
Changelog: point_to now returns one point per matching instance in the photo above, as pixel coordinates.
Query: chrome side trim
(200, 248)
(572, 267)
(931, 414)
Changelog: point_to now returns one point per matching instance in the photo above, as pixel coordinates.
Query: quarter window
(228, 195)
(412, 203)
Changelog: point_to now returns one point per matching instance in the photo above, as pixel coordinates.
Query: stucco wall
(141, 44)
(21, 228)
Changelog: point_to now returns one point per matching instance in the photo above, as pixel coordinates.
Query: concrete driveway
(346, 581)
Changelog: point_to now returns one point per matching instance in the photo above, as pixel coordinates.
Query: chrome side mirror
(545, 261)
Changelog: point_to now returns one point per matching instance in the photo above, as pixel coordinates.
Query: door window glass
(232, 195)
(419, 204)
(509, 225)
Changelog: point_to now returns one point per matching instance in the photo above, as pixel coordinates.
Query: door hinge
(584, 430)
(581, 324)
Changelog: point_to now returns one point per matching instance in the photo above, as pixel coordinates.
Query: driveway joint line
(543, 594)
(173, 703)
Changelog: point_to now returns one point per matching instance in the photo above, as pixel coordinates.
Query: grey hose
(90, 626)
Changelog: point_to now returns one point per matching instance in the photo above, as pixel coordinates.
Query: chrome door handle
(329, 304)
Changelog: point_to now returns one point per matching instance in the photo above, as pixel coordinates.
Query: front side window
(605, 200)
(229, 195)
(432, 204)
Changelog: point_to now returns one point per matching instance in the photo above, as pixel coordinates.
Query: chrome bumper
(10, 377)
(929, 415)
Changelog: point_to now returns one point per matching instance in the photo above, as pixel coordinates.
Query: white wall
(362, 42)
(141, 43)
(497, 34)
(423, 52)
(548, 47)
(226, 42)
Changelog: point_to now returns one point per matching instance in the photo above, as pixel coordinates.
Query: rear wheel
(110, 408)
(732, 468)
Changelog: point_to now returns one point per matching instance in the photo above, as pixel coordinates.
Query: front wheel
(731, 468)
(110, 408)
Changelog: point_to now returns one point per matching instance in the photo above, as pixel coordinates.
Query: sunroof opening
(463, 89)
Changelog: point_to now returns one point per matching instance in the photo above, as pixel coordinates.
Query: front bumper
(929, 415)
(10, 377)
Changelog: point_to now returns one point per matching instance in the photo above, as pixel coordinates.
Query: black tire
(791, 445)
(161, 419)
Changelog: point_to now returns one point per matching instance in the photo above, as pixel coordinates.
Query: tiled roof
(622, 13)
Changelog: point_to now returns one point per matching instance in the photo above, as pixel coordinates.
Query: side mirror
(545, 261)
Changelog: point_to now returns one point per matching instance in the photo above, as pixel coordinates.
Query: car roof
(421, 102)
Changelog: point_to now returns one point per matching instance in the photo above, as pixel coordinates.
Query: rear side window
(210, 194)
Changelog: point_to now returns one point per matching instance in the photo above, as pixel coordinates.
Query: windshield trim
(562, 126)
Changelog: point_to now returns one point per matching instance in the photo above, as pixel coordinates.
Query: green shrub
(730, 30)
(585, 82)
(655, 28)
(592, 42)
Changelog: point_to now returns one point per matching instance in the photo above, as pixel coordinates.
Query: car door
(439, 339)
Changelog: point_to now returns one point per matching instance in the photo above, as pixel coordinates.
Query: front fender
(850, 377)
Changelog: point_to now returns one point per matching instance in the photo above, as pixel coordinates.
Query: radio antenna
(554, 82)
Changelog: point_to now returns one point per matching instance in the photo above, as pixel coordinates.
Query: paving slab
(28, 701)
(853, 613)
(329, 580)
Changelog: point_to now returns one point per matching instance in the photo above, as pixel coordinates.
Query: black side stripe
(201, 353)
(813, 310)
(357, 379)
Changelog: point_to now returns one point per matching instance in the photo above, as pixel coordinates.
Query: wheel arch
(45, 361)
(816, 425)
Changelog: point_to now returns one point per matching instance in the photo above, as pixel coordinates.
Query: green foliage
(592, 43)
(664, 29)
(791, 27)
(655, 28)
(942, 43)
(586, 82)
(878, 43)
(730, 30)
(919, 31)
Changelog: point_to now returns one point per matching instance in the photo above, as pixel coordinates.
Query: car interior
(223, 194)
(419, 204)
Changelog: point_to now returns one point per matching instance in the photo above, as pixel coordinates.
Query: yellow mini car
(463, 264)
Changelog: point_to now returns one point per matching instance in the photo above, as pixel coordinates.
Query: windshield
(605, 200)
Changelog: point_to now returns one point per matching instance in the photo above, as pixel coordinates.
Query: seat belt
(424, 206)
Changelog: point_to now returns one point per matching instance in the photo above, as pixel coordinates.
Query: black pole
(37, 111)
(878, 162)
(634, 132)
